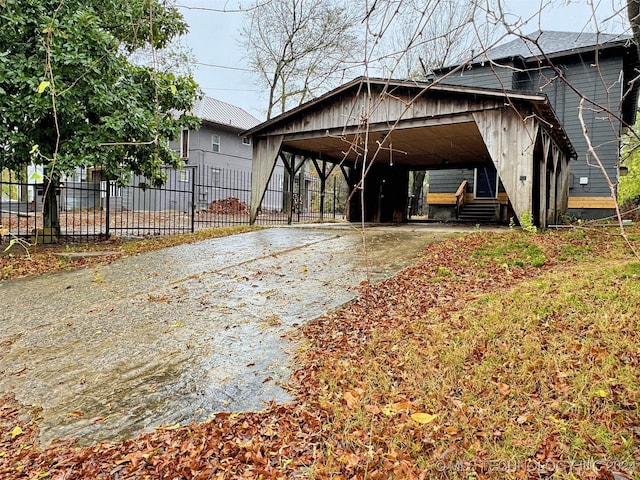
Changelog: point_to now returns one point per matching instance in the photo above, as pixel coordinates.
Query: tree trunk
(51, 219)
(416, 191)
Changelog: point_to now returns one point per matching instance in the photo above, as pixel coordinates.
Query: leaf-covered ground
(494, 356)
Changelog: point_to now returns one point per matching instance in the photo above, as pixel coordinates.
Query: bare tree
(430, 34)
(299, 47)
(422, 35)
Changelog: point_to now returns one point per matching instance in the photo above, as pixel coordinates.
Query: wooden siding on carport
(511, 141)
(265, 156)
(347, 112)
(494, 128)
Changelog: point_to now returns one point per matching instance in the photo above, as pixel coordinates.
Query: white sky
(222, 73)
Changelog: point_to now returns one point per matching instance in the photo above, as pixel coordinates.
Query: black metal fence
(192, 199)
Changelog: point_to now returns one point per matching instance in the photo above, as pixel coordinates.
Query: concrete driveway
(175, 335)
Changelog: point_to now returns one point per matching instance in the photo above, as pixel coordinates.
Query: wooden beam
(510, 141)
(591, 202)
(265, 156)
(441, 198)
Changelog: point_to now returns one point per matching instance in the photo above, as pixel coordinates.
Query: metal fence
(192, 199)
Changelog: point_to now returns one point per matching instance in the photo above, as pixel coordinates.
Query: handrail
(460, 197)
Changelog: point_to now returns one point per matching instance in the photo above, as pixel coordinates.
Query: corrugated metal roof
(551, 43)
(215, 111)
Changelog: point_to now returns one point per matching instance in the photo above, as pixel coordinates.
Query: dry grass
(534, 374)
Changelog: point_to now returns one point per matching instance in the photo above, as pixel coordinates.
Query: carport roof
(418, 124)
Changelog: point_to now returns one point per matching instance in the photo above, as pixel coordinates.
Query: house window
(215, 143)
(184, 175)
(215, 177)
(184, 144)
(246, 141)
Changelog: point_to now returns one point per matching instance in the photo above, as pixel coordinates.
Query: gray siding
(233, 153)
(599, 84)
(482, 76)
(448, 181)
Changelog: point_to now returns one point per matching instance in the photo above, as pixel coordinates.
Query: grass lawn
(494, 356)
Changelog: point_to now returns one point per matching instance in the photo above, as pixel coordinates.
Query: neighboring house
(216, 156)
(217, 166)
(564, 66)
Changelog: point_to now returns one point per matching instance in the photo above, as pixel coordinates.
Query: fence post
(193, 199)
(108, 209)
(334, 198)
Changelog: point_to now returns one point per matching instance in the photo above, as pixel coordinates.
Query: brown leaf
(504, 389)
(451, 430)
(351, 398)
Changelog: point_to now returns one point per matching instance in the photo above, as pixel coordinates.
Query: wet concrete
(176, 335)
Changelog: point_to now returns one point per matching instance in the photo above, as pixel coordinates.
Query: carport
(378, 130)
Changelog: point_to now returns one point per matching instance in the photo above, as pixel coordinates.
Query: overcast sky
(222, 72)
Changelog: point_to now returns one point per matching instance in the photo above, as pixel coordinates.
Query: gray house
(217, 165)
(218, 161)
(567, 67)
(216, 156)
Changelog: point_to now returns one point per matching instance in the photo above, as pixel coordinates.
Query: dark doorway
(486, 182)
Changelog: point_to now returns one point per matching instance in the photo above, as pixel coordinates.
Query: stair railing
(461, 194)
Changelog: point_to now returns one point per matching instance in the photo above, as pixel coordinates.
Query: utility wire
(223, 66)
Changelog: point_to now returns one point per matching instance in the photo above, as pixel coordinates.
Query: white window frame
(215, 142)
(183, 175)
(246, 141)
(184, 143)
(216, 174)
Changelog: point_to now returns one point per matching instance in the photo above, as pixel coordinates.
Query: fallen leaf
(525, 418)
(350, 398)
(373, 409)
(452, 430)
(504, 389)
(175, 426)
(15, 432)
(399, 406)
(423, 417)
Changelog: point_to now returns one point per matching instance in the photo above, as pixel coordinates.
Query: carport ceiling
(452, 145)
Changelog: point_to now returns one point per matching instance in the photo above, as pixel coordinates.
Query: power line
(223, 9)
(229, 89)
(224, 67)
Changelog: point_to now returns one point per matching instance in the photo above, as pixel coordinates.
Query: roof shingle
(552, 42)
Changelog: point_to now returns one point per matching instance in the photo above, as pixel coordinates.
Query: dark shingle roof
(551, 43)
(215, 111)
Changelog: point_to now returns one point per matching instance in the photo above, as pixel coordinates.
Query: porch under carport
(377, 131)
